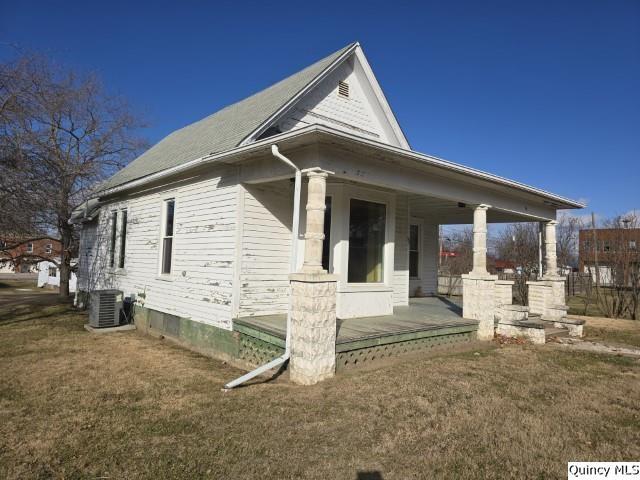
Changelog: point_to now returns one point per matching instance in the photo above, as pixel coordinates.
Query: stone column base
(546, 298)
(478, 302)
(313, 327)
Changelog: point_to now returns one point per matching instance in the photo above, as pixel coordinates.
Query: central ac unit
(104, 308)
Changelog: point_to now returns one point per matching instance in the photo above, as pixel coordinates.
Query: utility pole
(440, 249)
(595, 250)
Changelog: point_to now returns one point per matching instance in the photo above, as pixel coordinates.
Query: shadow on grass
(19, 313)
(373, 475)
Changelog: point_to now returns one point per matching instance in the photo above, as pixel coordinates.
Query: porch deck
(425, 323)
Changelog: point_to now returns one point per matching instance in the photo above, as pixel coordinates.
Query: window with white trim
(48, 248)
(123, 239)
(167, 235)
(326, 243)
(112, 243)
(29, 247)
(414, 251)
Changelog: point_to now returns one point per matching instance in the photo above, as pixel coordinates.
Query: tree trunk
(65, 258)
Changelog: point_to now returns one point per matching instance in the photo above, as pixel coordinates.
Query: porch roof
(263, 166)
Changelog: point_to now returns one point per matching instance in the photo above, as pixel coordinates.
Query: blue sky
(547, 93)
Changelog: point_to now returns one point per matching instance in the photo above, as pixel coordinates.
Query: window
(53, 272)
(167, 235)
(366, 241)
(414, 251)
(632, 244)
(48, 248)
(123, 239)
(606, 246)
(112, 244)
(29, 247)
(326, 243)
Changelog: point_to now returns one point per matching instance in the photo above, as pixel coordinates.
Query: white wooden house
(49, 275)
(198, 230)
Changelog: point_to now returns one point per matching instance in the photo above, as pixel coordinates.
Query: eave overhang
(323, 134)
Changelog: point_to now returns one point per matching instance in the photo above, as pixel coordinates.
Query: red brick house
(21, 255)
(617, 251)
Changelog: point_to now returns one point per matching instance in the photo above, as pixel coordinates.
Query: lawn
(80, 405)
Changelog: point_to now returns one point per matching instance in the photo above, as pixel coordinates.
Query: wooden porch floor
(423, 317)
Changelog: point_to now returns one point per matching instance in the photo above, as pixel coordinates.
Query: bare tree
(60, 134)
(518, 244)
(617, 270)
(458, 258)
(567, 240)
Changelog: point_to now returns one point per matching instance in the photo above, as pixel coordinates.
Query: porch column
(478, 287)
(480, 240)
(551, 262)
(313, 298)
(314, 233)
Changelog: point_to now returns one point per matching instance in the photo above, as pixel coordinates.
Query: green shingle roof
(223, 130)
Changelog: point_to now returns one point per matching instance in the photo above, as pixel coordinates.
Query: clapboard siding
(265, 250)
(401, 252)
(200, 286)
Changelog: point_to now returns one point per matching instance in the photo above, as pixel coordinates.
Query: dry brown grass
(613, 331)
(77, 405)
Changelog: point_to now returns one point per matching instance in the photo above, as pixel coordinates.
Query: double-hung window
(29, 247)
(48, 248)
(123, 239)
(167, 235)
(112, 243)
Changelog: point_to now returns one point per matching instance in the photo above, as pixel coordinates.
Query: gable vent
(343, 89)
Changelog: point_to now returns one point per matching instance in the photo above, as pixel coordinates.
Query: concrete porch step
(554, 332)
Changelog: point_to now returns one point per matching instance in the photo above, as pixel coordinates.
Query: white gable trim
(373, 82)
(293, 100)
(382, 100)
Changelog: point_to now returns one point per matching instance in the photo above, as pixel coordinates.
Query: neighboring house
(22, 254)
(198, 229)
(49, 274)
(615, 249)
(503, 266)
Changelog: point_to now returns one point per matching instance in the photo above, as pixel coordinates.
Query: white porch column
(314, 233)
(480, 240)
(551, 261)
(313, 302)
(478, 287)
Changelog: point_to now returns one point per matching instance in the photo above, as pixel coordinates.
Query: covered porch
(367, 243)
(424, 324)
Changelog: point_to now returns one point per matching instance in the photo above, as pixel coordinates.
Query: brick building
(613, 248)
(21, 255)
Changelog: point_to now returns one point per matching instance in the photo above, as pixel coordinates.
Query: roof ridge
(337, 54)
(226, 128)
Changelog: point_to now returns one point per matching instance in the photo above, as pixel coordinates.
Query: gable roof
(225, 129)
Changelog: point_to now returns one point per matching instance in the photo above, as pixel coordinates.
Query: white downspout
(293, 260)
